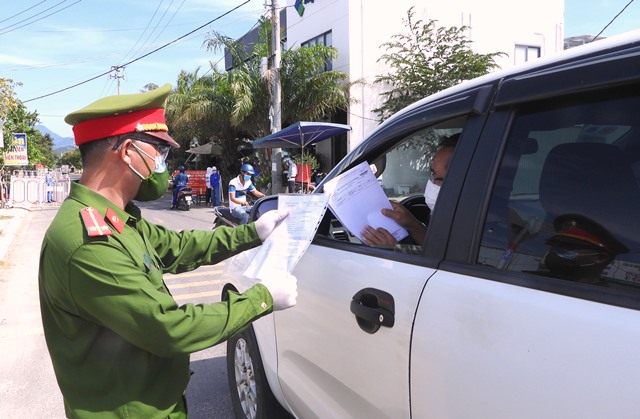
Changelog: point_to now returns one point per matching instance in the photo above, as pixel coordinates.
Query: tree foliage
(425, 61)
(234, 107)
(39, 147)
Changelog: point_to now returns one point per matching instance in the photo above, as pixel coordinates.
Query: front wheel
(251, 396)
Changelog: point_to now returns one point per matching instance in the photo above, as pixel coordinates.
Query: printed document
(356, 198)
(287, 243)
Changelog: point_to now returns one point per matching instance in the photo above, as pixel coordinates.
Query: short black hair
(450, 141)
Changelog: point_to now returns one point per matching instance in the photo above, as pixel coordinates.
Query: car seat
(594, 180)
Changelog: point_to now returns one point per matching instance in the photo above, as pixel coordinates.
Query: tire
(251, 396)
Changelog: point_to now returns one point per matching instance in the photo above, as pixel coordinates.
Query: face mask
(157, 183)
(431, 194)
(247, 177)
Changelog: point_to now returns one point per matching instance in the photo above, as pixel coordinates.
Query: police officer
(118, 341)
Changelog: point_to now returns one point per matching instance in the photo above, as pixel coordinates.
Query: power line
(37, 20)
(25, 10)
(614, 18)
(141, 57)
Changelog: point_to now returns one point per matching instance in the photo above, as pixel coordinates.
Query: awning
(209, 148)
(301, 134)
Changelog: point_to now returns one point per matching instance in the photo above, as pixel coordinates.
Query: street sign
(18, 156)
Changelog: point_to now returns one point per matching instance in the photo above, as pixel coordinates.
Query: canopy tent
(209, 148)
(301, 134)
(204, 149)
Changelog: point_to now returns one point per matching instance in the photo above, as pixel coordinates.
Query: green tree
(72, 158)
(427, 60)
(39, 147)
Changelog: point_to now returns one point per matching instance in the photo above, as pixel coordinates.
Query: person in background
(119, 342)
(215, 185)
(48, 178)
(179, 182)
(290, 171)
(239, 187)
(417, 228)
(207, 176)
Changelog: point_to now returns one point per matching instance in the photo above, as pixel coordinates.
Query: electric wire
(140, 57)
(25, 10)
(37, 20)
(610, 22)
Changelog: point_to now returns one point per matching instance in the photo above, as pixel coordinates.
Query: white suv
(524, 301)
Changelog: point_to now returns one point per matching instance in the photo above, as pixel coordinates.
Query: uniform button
(263, 305)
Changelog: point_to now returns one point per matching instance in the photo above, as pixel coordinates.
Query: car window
(402, 170)
(566, 200)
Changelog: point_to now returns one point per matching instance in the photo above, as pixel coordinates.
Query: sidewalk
(11, 219)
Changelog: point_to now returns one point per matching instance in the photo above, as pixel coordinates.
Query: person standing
(290, 171)
(119, 343)
(239, 187)
(207, 176)
(48, 178)
(215, 186)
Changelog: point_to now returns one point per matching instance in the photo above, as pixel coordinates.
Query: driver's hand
(378, 237)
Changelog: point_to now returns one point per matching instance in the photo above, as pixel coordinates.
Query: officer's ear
(125, 150)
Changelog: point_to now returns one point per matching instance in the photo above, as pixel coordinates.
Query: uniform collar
(90, 198)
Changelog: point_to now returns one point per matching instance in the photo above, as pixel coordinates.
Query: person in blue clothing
(239, 187)
(179, 182)
(49, 182)
(215, 183)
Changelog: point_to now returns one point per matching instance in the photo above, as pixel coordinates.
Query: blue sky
(60, 43)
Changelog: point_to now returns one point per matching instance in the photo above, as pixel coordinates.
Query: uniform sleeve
(189, 249)
(111, 290)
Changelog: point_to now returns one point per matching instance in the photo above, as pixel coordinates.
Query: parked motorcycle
(185, 199)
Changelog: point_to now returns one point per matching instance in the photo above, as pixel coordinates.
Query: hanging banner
(17, 157)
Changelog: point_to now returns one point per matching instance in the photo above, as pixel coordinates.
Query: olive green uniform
(119, 342)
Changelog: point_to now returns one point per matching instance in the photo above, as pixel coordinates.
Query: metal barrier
(29, 188)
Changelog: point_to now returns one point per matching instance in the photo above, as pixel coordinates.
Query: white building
(358, 28)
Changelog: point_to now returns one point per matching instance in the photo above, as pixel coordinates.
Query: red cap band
(108, 126)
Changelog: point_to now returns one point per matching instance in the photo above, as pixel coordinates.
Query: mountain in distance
(60, 144)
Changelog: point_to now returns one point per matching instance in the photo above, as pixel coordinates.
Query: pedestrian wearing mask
(118, 341)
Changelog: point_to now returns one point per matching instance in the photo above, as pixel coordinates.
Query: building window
(324, 39)
(524, 53)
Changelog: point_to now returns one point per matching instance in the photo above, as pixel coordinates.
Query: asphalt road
(27, 386)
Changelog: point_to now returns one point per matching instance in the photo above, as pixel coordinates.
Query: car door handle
(373, 308)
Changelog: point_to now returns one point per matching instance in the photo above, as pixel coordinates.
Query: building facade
(358, 28)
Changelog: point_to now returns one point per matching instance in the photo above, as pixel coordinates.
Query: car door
(344, 349)
(503, 330)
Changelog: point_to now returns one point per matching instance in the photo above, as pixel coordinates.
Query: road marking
(196, 295)
(193, 284)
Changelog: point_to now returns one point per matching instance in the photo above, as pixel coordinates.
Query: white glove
(267, 223)
(283, 288)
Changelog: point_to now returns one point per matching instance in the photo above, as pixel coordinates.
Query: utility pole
(276, 116)
(117, 75)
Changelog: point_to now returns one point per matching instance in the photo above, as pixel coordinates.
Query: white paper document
(356, 198)
(287, 243)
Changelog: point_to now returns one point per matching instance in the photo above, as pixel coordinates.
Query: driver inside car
(417, 229)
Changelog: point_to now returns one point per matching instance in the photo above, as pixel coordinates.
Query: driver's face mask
(431, 192)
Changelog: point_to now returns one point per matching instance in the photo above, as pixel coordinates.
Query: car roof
(611, 43)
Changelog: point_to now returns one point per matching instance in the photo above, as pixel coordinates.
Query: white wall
(360, 27)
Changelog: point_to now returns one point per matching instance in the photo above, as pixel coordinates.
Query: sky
(51, 45)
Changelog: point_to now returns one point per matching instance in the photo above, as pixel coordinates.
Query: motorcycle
(224, 217)
(185, 199)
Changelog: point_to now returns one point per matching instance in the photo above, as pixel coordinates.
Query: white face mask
(431, 194)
